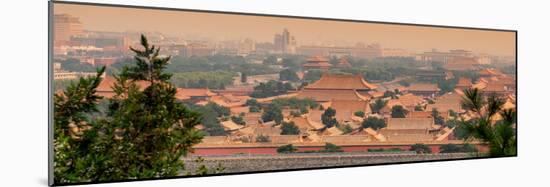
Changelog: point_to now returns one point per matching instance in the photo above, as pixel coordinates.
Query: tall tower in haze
(286, 40)
(285, 43)
(66, 26)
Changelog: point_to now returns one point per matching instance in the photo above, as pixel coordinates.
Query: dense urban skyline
(262, 29)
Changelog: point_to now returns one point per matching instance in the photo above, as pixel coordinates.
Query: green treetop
(143, 134)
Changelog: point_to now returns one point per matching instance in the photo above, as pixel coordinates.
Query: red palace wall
(235, 150)
(273, 150)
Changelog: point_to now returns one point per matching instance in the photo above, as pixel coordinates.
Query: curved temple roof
(329, 81)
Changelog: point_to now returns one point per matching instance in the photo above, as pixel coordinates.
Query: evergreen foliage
(398, 111)
(289, 128)
(374, 123)
(143, 134)
(500, 135)
(327, 118)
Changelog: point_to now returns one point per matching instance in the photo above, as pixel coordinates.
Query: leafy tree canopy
(289, 128)
(398, 111)
(374, 123)
(272, 113)
(271, 88)
(288, 75)
(378, 105)
(328, 119)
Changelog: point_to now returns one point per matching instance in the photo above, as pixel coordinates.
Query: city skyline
(144, 93)
(307, 31)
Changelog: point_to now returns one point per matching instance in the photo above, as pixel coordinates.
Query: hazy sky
(306, 31)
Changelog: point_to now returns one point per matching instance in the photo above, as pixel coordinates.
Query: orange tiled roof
(105, 87)
(444, 107)
(245, 88)
(317, 61)
(410, 123)
(419, 114)
(423, 87)
(507, 80)
(229, 100)
(230, 125)
(333, 131)
(327, 95)
(328, 81)
(314, 119)
(464, 82)
(450, 101)
(391, 103)
(315, 116)
(345, 109)
(489, 72)
(376, 135)
(494, 87)
(248, 130)
(305, 124)
(344, 115)
(302, 123)
(107, 83)
(410, 100)
(376, 94)
(238, 110)
(187, 93)
(480, 85)
(446, 133)
(408, 130)
(352, 105)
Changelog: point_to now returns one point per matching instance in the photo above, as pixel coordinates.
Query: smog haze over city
(145, 93)
(197, 25)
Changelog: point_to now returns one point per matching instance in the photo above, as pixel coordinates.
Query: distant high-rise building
(66, 26)
(285, 43)
(286, 40)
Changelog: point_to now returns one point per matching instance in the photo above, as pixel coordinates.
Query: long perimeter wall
(249, 163)
(259, 148)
